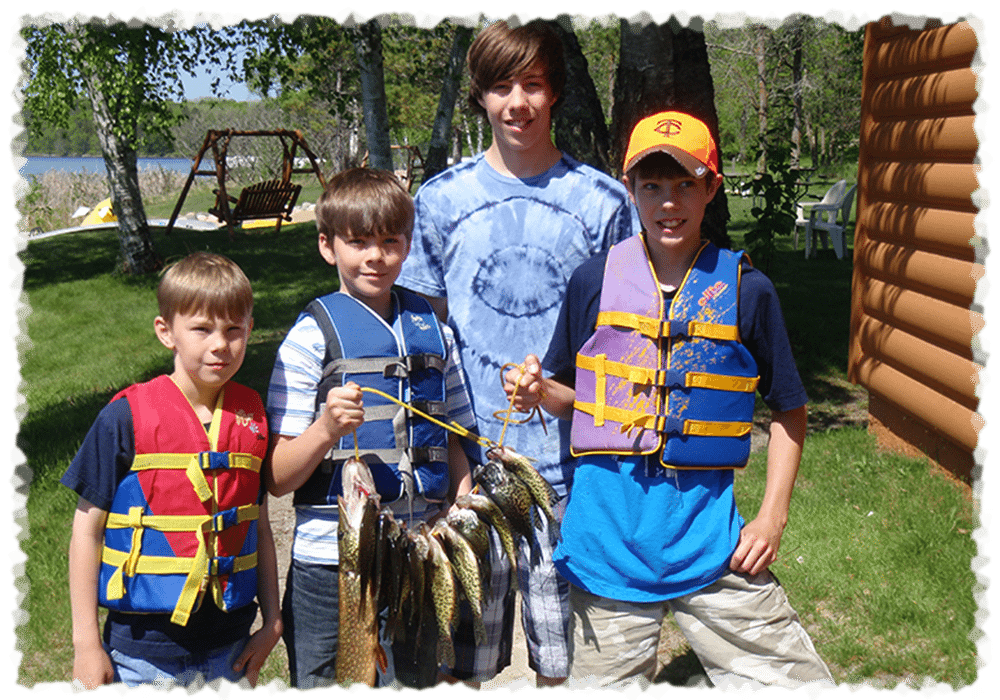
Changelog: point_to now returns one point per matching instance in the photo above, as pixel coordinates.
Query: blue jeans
(179, 670)
(310, 613)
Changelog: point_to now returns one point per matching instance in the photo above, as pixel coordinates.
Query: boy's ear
(713, 185)
(628, 186)
(163, 333)
(326, 248)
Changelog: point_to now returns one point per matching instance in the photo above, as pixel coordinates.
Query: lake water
(37, 165)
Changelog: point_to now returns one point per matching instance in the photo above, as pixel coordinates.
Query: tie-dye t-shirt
(501, 250)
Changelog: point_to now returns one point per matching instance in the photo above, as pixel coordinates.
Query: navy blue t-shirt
(102, 461)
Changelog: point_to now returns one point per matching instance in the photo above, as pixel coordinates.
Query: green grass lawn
(876, 558)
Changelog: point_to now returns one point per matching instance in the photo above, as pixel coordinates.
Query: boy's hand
(92, 667)
(255, 653)
(758, 546)
(344, 409)
(528, 384)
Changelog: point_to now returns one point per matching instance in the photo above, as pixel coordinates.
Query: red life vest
(184, 518)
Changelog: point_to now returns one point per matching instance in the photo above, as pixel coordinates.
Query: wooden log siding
(915, 267)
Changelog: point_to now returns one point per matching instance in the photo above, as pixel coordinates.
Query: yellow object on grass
(100, 214)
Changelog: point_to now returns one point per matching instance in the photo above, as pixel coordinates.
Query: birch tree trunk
(367, 40)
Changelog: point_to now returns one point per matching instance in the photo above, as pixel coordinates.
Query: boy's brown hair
(207, 283)
(363, 202)
(499, 53)
(659, 164)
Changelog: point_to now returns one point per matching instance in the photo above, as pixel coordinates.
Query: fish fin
(381, 659)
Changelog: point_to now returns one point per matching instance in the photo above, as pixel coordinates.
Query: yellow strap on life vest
(722, 382)
(644, 421)
(194, 466)
(708, 428)
(714, 331)
(132, 562)
(647, 325)
(636, 375)
(600, 388)
(653, 327)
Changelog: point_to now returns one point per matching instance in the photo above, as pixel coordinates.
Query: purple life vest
(675, 381)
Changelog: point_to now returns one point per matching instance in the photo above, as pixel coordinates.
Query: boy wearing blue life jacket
(372, 335)
(171, 531)
(659, 348)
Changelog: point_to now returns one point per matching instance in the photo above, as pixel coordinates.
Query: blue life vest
(675, 381)
(407, 454)
(183, 520)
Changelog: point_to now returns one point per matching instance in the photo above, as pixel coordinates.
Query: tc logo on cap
(668, 127)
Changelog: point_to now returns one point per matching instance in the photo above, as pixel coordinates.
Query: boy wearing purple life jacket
(171, 531)
(660, 346)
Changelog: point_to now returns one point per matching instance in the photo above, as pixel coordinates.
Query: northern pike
(466, 569)
(359, 652)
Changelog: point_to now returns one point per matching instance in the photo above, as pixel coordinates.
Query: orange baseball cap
(684, 137)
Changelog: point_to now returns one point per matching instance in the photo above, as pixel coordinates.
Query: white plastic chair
(835, 225)
(823, 215)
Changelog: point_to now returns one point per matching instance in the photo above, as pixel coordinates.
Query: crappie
(542, 493)
(509, 493)
(468, 524)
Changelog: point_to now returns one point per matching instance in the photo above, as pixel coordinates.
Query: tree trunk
(662, 68)
(367, 39)
(136, 256)
(797, 80)
(579, 122)
(761, 55)
(437, 152)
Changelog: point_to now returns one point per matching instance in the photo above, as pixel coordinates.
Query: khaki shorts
(742, 629)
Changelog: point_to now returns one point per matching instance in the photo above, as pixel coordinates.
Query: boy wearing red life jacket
(171, 532)
(658, 352)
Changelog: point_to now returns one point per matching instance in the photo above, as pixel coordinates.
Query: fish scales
(490, 513)
(465, 566)
(444, 596)
(509, 493)
(542, 493)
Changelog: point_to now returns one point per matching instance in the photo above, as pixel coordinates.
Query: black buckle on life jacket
(425, 455)
(405, 366)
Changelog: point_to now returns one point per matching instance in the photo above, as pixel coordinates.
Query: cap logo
(668, 127)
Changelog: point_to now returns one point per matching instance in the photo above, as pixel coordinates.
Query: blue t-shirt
(102, 461)
(501, 250)
(633, 530)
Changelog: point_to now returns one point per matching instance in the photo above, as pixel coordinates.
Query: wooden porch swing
(271, 199)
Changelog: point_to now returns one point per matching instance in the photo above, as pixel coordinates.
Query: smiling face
(367, 265)
(208, 350)
(671, 209)
(519, 110)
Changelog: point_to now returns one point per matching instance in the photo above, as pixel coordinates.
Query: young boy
(365, 335)
(495, 240)
(161, 461)
(659, 348)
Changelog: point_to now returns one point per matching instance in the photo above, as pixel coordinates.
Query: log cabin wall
(915, 264)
